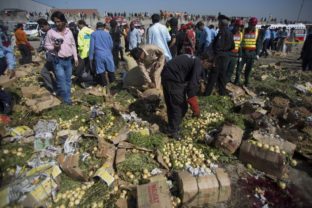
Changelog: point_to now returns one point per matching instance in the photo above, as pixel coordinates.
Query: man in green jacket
(84, 37)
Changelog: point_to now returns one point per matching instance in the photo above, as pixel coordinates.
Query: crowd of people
(169, 58)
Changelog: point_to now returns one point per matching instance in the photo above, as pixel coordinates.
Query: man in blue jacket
(101, 46)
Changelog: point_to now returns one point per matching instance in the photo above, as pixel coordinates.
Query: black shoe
(175, 136)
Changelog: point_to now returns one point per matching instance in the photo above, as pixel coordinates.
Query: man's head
(252, 22)
(173, 22)
(238, 25)
(200, 25)
(59, 19)
(132, 26)
(81, 24)
(100, 26)
(189, 25)
(155, 18)
(113, 23)
(211, 26)
(43, 24)
(20, 26)
(138, 54)
(223, 21)
(206, 61)
(284, 29)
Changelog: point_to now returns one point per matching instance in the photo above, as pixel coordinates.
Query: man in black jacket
(180, 79)
(306, 53)
(221, 46)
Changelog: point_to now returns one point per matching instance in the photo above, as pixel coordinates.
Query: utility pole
(300, 10)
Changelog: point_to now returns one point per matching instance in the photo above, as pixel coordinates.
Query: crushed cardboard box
(229, 139)
(39, 104)
(154, 195)
(106, 172)
(235, 90)
(204, 190)
(34, 92)
(279, 107)
(281, 143)
(122, 135)
(70, 165)
(272, 163)
(120, 156)
(5, 81)
(104, 148)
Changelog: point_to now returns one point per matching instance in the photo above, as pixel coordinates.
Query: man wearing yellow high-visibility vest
(250, 50)
(236, 53)
(84, 37)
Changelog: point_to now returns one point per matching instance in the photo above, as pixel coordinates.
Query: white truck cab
(32, 30)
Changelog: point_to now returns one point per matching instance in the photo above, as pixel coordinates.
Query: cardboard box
(235, 91)
(5, 81)
(188, 186)
(282, 144)
(229, 139)
(224, 184)
(208, 187)
(70, 165)
(105, 173)
(105, 148)
(203, 190)
(279, 107)
(120, 156)
(121, 203)
(154, 195)
(272, 163)
(39, 104)
(34, 92)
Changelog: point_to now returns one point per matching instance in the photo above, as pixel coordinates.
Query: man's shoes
(175, 136)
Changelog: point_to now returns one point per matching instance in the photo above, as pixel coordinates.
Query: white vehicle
(32, 30)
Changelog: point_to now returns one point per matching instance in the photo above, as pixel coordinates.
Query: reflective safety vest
(237, 40)
(250, 40)
(84, 37)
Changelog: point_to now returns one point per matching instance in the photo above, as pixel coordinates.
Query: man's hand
(76, 62)
(12, 74)
(194, 106)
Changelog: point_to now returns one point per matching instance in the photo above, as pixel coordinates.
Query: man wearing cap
(250, 50)
(158, 35)
(101, 46)
(236, 53)
(180, 80)
(150, 60)
(134, 37)
(222, 46)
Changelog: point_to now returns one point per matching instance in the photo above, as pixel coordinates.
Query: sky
(288, 9)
